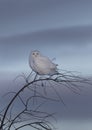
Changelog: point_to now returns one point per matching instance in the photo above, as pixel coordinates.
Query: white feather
(41, 64)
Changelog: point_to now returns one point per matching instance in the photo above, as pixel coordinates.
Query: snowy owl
(42, 65)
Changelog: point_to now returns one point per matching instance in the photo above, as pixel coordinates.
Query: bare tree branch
(38, 88)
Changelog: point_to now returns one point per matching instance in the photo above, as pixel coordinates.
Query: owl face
(35, 54)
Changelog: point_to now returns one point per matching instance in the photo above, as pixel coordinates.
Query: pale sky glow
(60, 29)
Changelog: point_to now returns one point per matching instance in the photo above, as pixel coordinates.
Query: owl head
(35, 53)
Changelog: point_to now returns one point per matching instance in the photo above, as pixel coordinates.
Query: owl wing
(47, 62)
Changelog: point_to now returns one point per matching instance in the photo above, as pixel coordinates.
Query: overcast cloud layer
(60, 29)
(65, 26)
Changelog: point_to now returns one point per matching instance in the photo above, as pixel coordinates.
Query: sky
(60, 29)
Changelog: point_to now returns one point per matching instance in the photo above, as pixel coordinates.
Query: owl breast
(43, 66)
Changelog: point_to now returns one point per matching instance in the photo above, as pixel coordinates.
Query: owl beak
(35, 55)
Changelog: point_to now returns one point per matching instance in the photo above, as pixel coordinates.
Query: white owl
(42, 65)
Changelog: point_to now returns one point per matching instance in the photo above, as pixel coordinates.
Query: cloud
(28, 16)
(75, 35)
(73, 45)
(65, 26)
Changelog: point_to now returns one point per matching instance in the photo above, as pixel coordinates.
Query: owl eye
(33, 53)
(37, 53)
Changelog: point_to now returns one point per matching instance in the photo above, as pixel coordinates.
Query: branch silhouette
(31, 116)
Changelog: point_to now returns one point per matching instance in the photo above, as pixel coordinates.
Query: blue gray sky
(60, 29)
